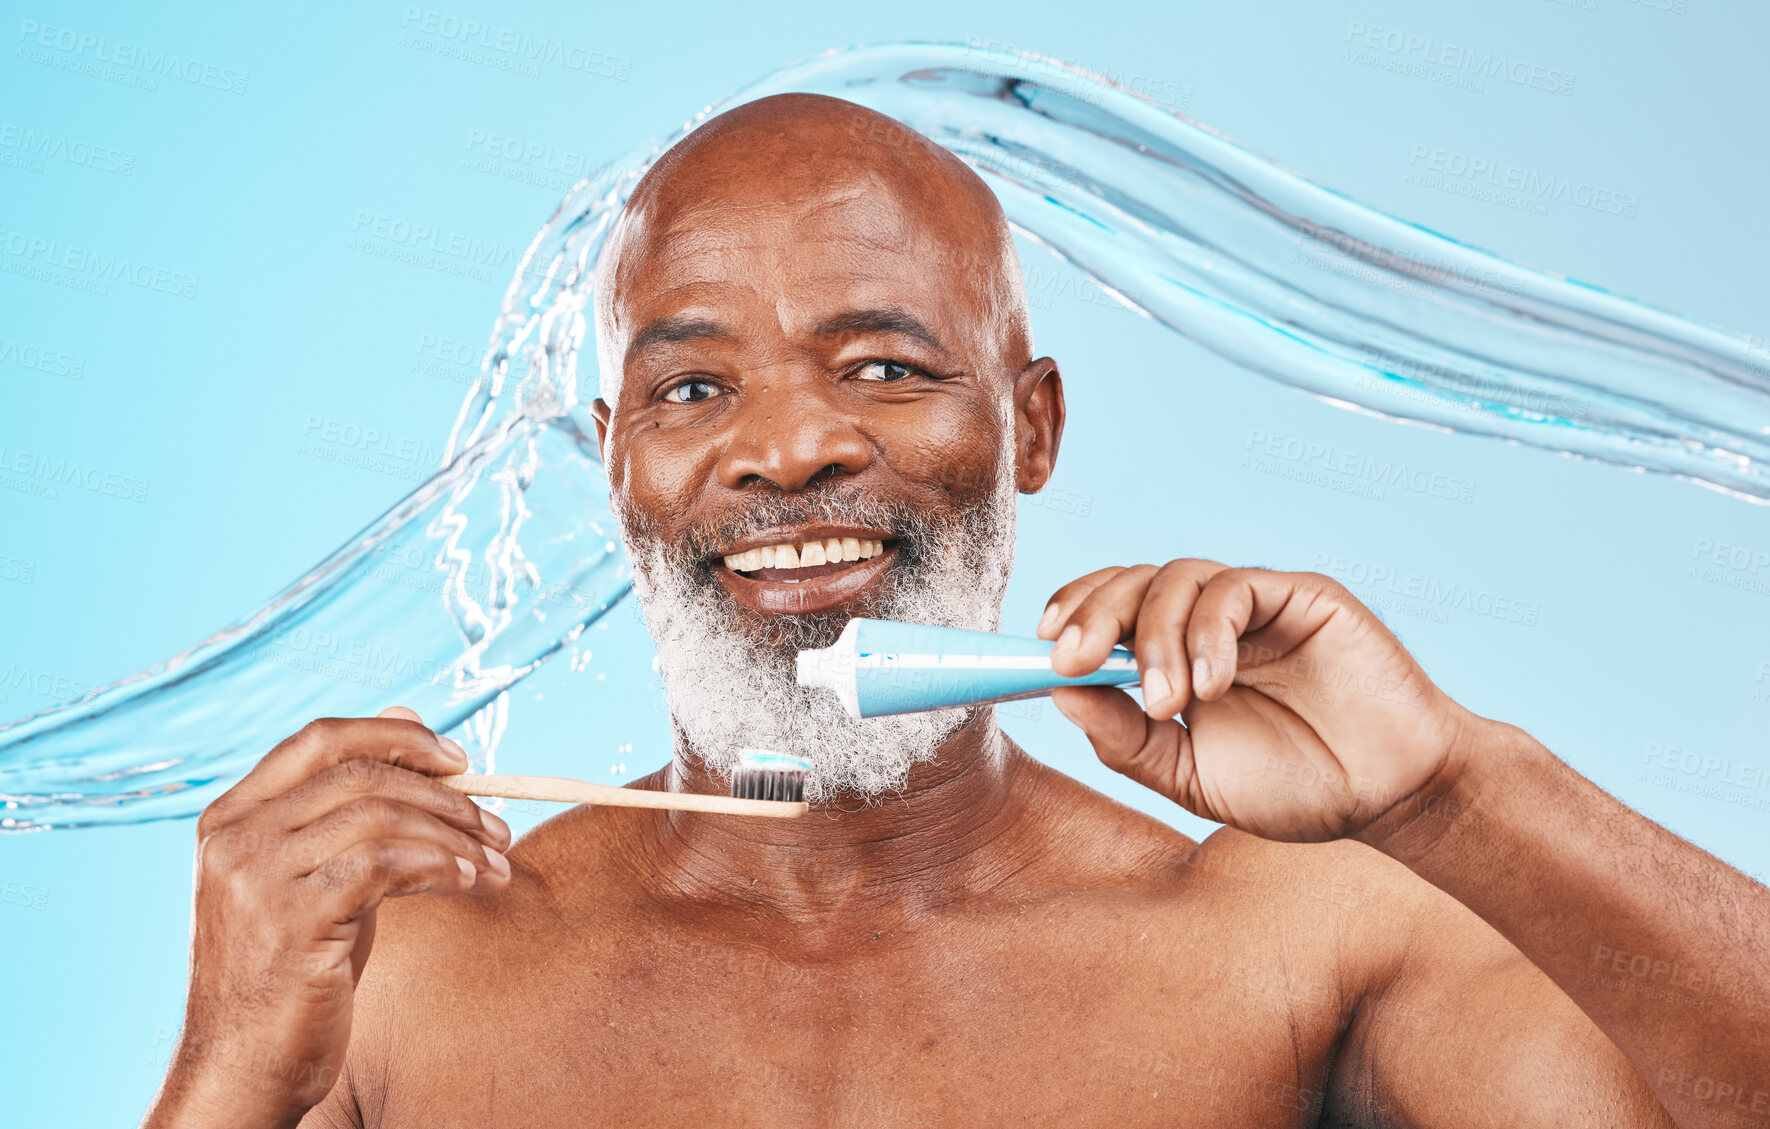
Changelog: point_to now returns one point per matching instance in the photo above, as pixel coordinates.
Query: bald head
(817, 196)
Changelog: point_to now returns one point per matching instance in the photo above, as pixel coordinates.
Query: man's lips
(796, 591)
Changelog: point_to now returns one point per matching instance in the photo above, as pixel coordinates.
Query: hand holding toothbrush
(292, 863)
(1305, 718)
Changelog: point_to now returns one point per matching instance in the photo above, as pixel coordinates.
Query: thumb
(1156, 754)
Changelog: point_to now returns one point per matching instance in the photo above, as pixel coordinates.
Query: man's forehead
(804, 230)
(785, 203)
(804, 264)
(713, 255)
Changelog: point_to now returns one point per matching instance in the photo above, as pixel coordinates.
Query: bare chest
(982, 1030)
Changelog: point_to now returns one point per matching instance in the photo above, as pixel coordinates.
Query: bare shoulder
(1361, 910)
(1120, 842)
(446, 960)
(1344, 910)
(1090, 838)
(1297, 941)
(443, 966)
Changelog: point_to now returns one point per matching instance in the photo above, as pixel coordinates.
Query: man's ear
(1038, 424)
(600, 410)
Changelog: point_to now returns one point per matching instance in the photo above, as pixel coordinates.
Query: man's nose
(790, 436)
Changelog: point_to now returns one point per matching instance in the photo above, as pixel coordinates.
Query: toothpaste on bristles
(766, 775)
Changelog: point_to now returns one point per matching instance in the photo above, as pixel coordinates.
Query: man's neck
(951, 831)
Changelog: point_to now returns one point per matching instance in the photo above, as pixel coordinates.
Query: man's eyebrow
(670, 330)
(883, 319)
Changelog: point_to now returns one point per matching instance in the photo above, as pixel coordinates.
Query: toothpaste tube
(879, 667)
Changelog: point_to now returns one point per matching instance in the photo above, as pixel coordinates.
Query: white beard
(729, 672)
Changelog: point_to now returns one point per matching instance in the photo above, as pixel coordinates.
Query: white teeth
(830, 550)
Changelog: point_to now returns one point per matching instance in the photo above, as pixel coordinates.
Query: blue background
(319, 121)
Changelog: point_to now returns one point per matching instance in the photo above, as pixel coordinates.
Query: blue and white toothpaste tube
(879, 667)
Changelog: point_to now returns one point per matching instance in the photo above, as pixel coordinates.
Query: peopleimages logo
(518, 151)
(518, 49)
(1529, 185)
(432, 247)
(1721, 770)
(1422, 593)
(1328, 250)
(350, 660)
(22, 571)
(33, 472)
(34, 146)
(56, 687)
(348, 444)
(1457, 389)
(527, 161)
(78, 47)
(50, 362)
(1423, 49)
(93, 267)
(1270, 451)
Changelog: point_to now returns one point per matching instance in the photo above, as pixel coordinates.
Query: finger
(312, 800)
(1105, 616)
(406, 713)
(355, 880)
(1160, 644)
(1156, 754)
(1065, 599)
(1233, 606)
(375, 817)
(329, 741)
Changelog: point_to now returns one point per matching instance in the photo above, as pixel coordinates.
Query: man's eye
(691, 392)
(885, 371)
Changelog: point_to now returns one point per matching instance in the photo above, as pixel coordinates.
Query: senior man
(812, 334)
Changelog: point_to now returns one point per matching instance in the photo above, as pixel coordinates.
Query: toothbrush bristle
(764, 775)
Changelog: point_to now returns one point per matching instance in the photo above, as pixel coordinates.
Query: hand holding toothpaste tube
(1305, 718)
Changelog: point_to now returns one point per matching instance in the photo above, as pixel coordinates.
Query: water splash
(508, 554)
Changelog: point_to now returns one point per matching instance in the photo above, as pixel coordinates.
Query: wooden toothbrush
(765, 784)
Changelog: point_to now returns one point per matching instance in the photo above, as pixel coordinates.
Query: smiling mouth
(796, 562)
(808, 570)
